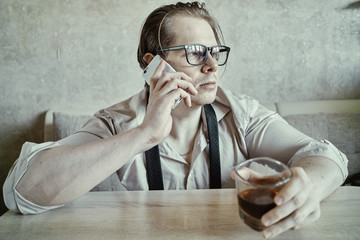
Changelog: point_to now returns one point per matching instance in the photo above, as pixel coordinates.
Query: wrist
(145, 138)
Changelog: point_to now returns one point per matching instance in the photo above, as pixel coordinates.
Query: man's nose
(211, 65)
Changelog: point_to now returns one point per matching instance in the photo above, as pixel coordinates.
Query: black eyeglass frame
(208, 49)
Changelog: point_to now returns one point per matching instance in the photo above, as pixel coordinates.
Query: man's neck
(186, 123)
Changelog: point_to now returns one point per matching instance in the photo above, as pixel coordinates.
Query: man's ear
(148, 57)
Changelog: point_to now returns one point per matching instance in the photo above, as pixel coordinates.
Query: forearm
(63, 174)
(323, 173)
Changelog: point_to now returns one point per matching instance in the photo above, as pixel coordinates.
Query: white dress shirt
(246, 130)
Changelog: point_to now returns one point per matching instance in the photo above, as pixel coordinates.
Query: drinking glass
(258, 180)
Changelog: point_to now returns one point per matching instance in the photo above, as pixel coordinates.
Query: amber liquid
(253, 203)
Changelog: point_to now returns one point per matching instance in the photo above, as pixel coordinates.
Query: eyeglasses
(196, 54)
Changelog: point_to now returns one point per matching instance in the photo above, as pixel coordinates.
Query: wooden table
(196, 214)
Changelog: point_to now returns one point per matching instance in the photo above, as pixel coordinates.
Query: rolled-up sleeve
(92, 131)
(322, 148)
(13, 199)
(274, 137)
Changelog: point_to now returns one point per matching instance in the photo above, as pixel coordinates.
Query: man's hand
(165, 88)
(297, 205)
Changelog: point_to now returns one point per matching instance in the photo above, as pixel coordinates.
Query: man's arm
(324, 174)
(63, 174)
(298, 203)
(318, 168)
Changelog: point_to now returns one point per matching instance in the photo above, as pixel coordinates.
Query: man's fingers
(296, 184)
(159, 70)
(281, 212)
(292, 222)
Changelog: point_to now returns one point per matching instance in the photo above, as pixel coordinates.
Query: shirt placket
(197, 171)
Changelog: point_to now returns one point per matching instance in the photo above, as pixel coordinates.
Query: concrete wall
(82, 54)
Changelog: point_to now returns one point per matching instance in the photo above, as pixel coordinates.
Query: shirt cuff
(13, 200)
(27, 207)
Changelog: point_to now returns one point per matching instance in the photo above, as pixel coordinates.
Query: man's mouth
(208, 85)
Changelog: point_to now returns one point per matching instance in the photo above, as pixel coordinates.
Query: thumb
(248, 174)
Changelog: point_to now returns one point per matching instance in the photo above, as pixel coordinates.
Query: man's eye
(216, 56)
(197, 55)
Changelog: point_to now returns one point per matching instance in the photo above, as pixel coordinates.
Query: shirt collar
(220, 106)
(220, 110)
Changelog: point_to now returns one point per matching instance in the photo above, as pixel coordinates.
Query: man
(111, 150)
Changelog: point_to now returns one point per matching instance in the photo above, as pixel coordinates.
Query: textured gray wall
(82, 54)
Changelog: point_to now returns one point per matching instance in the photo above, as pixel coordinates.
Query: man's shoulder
(132, 103)
(236, 101)
(125, 113)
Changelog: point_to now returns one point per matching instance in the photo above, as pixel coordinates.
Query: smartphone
(150, 69)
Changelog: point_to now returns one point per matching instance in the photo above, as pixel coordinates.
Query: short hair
(157, 33)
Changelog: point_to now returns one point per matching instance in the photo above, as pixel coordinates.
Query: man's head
(158, 33)
(188, 38)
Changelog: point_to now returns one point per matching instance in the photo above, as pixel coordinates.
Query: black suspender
(153, 165)
(153, 169)
(215, 173)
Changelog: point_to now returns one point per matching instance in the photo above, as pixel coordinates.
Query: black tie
(153, 165)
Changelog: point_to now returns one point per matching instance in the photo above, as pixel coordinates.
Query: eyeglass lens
(196, 54)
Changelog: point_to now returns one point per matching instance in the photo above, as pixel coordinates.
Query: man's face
(191, 30)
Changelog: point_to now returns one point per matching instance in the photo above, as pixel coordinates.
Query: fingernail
(266, 221)
(279, 200)
(267, 234)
